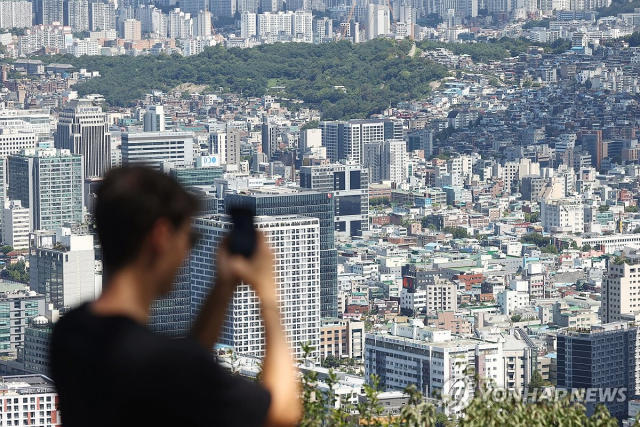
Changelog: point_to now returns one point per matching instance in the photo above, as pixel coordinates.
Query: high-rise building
(13, 141)
(50, 11)
(19, 305)
(605, 357)
(378, 21)
(154, 120)
(593, 144)
(158, 149)
(270, 132)
(349, 185)
(62, 268)
(248, 25)
(180, 25)
(15, 14)
(78, 15)
(345, 140)
(222, 7)
(372, 160)
(171, 315)
(194, 6)
(422, 140)
(102, 16)
(132, 30)
(620, 294)
(394, 161)
(202, 24)
(226, 145)
(50, 183)
(323, 30)
(307, 203)
(16, 225)
(303, 26)
(83, 129)
(295, 242)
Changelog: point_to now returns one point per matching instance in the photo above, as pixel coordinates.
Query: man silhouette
(111, 370)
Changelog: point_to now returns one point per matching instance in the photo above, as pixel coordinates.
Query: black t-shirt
(112, 371)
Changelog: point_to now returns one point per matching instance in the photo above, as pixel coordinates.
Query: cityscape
(450, 188)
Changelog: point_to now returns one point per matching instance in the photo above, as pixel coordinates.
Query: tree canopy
(342, 79)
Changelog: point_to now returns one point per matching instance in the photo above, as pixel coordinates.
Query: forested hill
(374, 75)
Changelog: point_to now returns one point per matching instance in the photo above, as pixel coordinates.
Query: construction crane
(346, 25)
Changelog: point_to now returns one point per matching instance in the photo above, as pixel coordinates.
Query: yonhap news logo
(458, 393)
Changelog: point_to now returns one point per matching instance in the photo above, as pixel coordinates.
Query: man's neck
(126, 294)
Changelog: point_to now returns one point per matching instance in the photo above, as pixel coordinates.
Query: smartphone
(243, 237)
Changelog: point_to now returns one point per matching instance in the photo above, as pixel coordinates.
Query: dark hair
(129, 202)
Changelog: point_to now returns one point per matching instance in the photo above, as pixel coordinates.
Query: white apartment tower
(620, 292)
(78, 15)
(248, 25)
(394, 161)
(15, 14)
(378, 21)
(103, 16)
(295, 241)
(16, 225)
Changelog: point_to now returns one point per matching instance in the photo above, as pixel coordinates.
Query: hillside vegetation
(343, 80)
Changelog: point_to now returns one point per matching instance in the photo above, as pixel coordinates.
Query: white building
(394, 161)
(295, 241)
(62, 267)
(35, 120)
(179, 25)
(103, 16)
(248, 25)
(441, 296)
(78, 15)
(416, 301)
(510, 299)
(378, 21)
(620, 292)
(16, 225)
(15, 14)
(82, 47)
(13, 141)
(158, 149)
(431, 358)
(562, 216)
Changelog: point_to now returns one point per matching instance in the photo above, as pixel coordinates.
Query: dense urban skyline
(450, 188)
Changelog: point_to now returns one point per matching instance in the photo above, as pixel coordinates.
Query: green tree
(369, 408)
(6, 249)
(16, 272)
(457, 232)
(536, 381)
